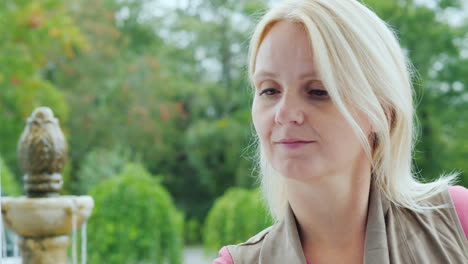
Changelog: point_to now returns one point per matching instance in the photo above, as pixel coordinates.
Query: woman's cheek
(258, 116)
(262, 128)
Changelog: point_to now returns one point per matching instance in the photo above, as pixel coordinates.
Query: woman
(333, 114)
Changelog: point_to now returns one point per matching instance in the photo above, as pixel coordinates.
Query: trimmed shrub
(134, 221)
(235, 217)
(100, 164)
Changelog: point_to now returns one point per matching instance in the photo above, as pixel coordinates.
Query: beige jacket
(394, 235)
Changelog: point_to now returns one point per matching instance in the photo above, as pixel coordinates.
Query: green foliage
(100, 164)
(131, 85)
(235, 216)
(134, 221)
(435, 48)
(9, 186)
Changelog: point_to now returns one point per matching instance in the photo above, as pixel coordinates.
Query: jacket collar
(376, 250)
(376, 246)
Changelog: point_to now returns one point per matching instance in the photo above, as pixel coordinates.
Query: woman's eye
(319, 93)
(268, 91)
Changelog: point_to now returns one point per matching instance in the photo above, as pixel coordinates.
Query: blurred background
(153, 99)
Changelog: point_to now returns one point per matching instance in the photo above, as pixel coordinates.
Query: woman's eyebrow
(302, 76)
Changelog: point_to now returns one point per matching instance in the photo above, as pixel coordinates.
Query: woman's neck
(331, 216)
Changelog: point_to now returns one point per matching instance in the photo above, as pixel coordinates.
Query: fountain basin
(43, 217)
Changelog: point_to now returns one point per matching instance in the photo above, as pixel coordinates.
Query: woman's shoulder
(224, 257)
(258, 237)
(459, 197)
(249, 248)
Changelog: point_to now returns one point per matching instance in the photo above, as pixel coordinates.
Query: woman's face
(303, 134)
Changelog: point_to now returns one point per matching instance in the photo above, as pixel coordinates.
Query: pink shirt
(460, 200)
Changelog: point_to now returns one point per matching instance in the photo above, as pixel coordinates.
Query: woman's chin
(301, 173)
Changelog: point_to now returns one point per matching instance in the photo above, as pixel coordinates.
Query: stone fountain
(43, 218)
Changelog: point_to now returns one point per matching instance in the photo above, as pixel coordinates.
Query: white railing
(11, 260)
(10, 253)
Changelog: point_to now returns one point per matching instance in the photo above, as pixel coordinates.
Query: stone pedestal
(44, 250)
(44, 219)
(43, 225)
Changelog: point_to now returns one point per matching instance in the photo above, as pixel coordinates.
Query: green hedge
(100, 164)
(134, 221)
(235, 217)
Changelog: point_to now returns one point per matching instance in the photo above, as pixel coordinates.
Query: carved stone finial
(42, 153)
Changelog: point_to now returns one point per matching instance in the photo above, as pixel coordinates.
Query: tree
(30, 30)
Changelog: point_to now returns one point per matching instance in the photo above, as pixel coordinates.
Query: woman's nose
(289, 110)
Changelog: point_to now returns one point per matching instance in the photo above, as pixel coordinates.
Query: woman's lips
(294, 144)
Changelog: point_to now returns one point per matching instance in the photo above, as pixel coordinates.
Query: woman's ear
(391, 118)
(374, 141)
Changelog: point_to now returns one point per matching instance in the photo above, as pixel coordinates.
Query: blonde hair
(361, 63)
